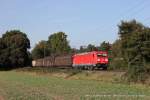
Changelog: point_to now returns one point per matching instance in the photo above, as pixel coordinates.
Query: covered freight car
(53, 61)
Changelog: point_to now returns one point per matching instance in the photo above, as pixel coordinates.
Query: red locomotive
(88, 60)
(91, 60)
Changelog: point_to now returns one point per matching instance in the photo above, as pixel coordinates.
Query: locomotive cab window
(101, 55)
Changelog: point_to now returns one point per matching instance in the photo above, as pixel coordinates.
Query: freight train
(88, 60)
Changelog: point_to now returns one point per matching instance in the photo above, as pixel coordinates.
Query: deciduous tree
(135, 44)
(41, 50)
(14, 49)
(58, 43)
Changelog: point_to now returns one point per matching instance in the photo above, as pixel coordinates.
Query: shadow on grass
(12, 68)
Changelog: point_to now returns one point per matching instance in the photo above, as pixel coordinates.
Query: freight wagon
(88, 60)
(53, 61)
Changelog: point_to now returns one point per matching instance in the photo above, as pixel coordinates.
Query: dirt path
(1, 98)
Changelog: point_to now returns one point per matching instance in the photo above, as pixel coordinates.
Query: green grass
(31, 86)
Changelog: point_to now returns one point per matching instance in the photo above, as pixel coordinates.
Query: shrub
(136, 73)
(117, 64)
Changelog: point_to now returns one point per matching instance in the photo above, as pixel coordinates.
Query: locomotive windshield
(101, 55)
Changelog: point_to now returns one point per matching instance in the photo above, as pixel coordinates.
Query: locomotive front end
(102, 59)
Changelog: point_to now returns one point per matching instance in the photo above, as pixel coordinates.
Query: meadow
(34, 84)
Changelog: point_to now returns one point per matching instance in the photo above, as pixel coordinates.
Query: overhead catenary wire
(147, 20)
(136, 9)
(133, 10)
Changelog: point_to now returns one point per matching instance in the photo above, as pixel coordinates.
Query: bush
(117, 65)
(136, 73)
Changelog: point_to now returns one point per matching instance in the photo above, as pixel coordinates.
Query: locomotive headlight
(106, 59)
(98, 59)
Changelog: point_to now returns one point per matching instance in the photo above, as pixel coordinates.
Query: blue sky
(84, 21)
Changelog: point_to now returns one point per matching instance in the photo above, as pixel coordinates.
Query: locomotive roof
(90, 52)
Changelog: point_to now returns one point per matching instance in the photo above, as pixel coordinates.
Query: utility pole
(44, 55)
